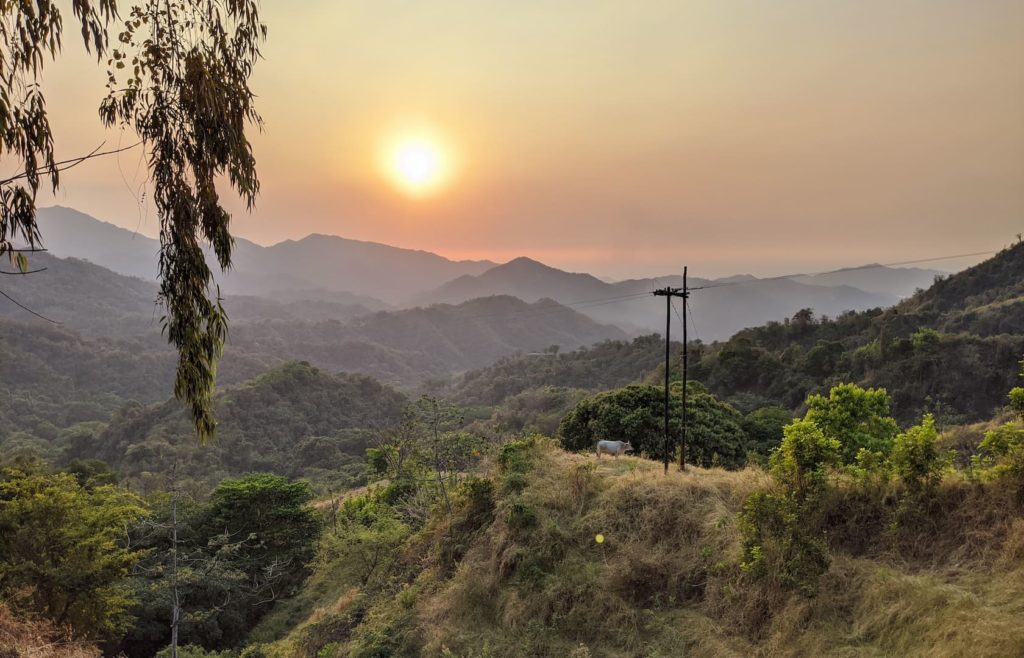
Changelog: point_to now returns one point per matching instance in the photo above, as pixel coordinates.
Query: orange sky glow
(625, 139)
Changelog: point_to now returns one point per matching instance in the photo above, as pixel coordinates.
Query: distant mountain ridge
(401, 347)
(352, 277)
(316, 264)
(726, 306)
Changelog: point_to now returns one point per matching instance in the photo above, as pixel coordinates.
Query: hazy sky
(623, 138)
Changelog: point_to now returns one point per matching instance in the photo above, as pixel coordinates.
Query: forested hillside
(108, 348)
(294, 420)
(952, 349)
(605, 365)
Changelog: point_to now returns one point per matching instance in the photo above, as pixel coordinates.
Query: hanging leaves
(178, 74)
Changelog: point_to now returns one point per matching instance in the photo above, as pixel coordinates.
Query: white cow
(613, 448)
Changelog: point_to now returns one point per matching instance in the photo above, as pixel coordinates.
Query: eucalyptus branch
(64, 165)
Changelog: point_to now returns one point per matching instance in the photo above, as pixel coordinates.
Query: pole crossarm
(672, 292)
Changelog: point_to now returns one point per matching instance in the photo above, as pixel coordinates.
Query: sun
(417, 164)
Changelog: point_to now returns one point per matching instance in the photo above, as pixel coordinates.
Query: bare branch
(64, 165)
(41, 269)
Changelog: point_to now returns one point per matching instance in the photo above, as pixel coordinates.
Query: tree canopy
(636, 414)
(179, 77)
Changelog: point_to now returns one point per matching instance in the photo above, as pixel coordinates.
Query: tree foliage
(782, 530)
(224, 561)
(857, 418)
(424, 457)
(917, 458)
(179, 77)
(184, 89)
(30, 35)
(275, 513)
(63, 550)
(636, 414)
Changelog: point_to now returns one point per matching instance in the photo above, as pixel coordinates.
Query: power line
(71, 162)
(676, 311)
(560, 307)
(844, 269)
(693, 322)
(22, 306)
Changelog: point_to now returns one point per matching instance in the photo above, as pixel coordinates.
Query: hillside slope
(952, 349)
(518, 571)
(294, 420)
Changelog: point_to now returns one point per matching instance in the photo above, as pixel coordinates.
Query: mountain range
(720, 308)
(324, 277)
(316, 267)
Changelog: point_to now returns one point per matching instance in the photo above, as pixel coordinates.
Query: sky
(620, 138)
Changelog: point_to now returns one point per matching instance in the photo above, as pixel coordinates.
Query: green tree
(764, 427)
(858, 418)
(367, 537)
(424, 456)
(636, 414)
(803, 458)
(213, 568)
(274, 517)
(63, 552)
(179, 77)
(1017, 401)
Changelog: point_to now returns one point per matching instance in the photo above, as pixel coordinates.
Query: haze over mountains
(323, 277)
(318, 265)
(330, 277)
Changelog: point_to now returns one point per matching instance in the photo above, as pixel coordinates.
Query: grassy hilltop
(517, 571)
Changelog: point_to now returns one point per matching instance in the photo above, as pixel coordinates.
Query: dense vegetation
(109, 351)
(822, 514)
(111, 567)
(858, 541)
(715, 433)
(294, 420)
(970, 322)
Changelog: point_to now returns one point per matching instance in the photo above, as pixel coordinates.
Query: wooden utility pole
(686, 351)
(668, 293)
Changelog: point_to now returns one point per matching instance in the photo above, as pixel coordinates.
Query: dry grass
(664, 582)
(23, 638)
(548, 587)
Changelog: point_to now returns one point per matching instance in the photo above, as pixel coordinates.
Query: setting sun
(418, 165)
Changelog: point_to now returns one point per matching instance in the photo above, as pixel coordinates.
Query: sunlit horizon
(731, 137)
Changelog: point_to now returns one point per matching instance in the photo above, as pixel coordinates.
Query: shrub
(916, 458)
(856, 417)
(1017, 401)
(781, 529)
(521, 515)
(801, 461)
(1002, 456)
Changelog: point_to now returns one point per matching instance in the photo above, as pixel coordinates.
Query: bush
(521, 516)
(858, 418)
(1017, 401)
(916, 458)
(1001, 456)
(781, 529)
